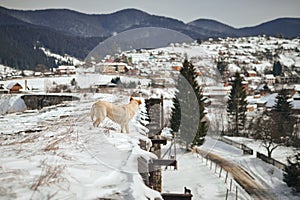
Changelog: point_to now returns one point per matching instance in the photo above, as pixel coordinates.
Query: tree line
(20, 46)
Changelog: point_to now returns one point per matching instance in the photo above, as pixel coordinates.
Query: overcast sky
(237, 13)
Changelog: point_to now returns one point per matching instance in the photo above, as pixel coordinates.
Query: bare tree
(266, 131)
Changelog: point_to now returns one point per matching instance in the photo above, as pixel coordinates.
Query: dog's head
(139, 102)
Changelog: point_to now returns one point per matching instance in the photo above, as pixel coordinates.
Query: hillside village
(253, 57)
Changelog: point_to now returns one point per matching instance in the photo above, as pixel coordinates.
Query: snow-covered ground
(64, 157)
(280, 153)
(56, 153)
(268, 175)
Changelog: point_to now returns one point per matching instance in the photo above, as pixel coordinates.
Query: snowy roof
(270, 76)
(12, 84)
(296, 96)
(296, 104)
(270, 99)
(251, 72)
(66, 67)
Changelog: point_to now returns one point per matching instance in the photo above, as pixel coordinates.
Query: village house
(66, 69)
(111, 68)
(296, 103)
(14, 87)
(270, 79)
(251, 73)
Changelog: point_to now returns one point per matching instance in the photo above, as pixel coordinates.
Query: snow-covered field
(64, 157)
(55, 153)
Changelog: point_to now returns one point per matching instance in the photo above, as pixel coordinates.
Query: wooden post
(226, 195)
(220, 174)
(216, 168)
(230, 184)
(226, 177)
(211, 164)
(236, 193)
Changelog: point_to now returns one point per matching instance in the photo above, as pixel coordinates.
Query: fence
(246, 150)
(271, 161)
(234, 190)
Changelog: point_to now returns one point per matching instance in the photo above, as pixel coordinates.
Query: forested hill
(76, 34)
(19, 46)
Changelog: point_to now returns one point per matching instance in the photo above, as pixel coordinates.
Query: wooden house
(14, 87)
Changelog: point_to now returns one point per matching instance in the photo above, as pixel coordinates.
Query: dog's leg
(122, 128)
(127, 128)
(98, 121)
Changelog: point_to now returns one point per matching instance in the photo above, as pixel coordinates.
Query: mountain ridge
(104, 25)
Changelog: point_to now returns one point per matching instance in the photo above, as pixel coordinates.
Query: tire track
(241, 176)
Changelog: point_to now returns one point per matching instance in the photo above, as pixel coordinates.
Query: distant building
(111, 68)
(270, 79)
(66, 69)
(14, 87)
(251, 73)
(296, 103)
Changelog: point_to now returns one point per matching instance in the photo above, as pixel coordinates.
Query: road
(242, 177)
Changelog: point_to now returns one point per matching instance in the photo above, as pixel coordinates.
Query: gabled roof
(12, 84)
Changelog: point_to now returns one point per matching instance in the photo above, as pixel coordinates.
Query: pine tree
(277, 68)
(282, 114)
(187, 117)
(292, 172)
(175, 116)
(237, 105)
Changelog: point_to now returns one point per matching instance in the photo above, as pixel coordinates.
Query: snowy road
(254, 188)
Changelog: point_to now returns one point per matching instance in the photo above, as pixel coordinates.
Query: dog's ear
(139, 102)
(130, 99)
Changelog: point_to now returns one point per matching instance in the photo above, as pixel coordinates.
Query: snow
(56, 153)
(11, 104)
(70, 159)
(268, 175)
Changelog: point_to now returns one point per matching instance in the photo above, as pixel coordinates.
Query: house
(262, 89)
(65, 69)
(251, 73)
(270, 79)
(111, 68)
(14, 87)
(296, 103)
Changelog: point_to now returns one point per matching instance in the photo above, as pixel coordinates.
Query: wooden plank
(166, 196)
(164, 162)
(159, 141)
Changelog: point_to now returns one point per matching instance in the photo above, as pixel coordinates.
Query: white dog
(120, 114)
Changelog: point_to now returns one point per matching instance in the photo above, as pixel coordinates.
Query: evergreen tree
(175, 116)
(237, 105)
(292, 172)
(188, 117)
(282, 114)
(277, 68)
